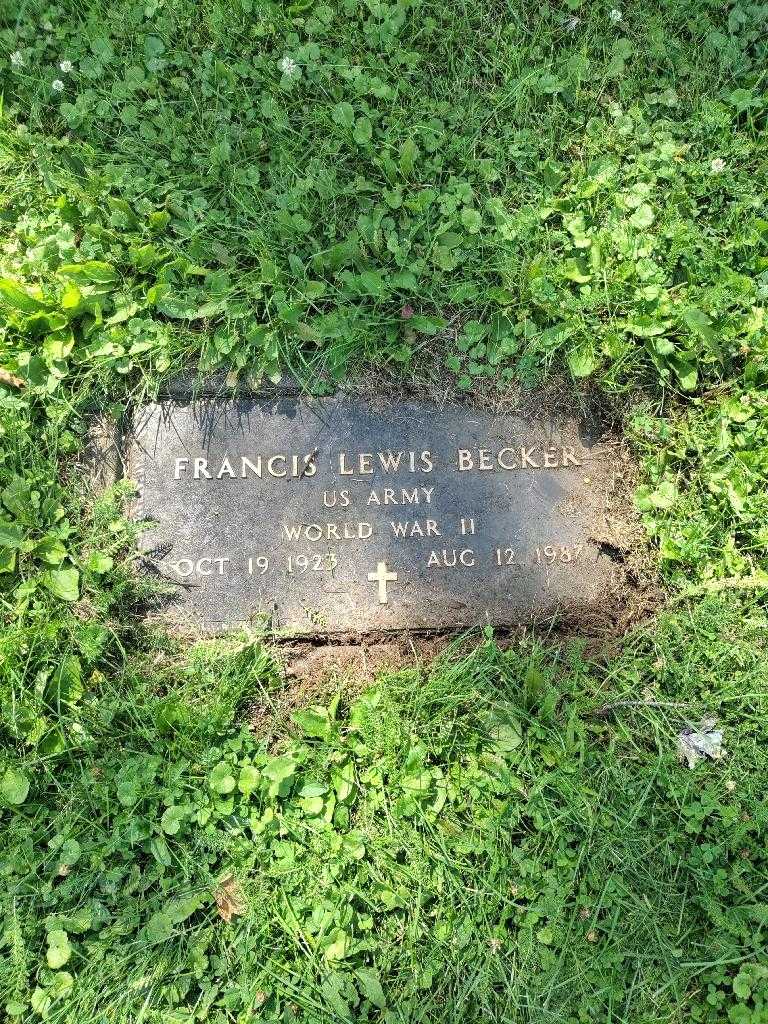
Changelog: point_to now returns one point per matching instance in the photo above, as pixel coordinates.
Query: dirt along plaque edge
(364, 598)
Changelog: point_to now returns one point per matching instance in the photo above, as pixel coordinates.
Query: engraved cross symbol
(382, 576)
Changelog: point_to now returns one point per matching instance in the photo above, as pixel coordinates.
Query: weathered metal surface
(333, 515)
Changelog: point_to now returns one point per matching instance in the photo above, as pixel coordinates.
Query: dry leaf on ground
(10, 379)
(229, 900)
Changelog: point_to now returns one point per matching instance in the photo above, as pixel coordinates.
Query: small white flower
(66, 66)
(572, 23)
(57, 85)
(17, 61)
(718, 165)
(288, 66)
(615, 15)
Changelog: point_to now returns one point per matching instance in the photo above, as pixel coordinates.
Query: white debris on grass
(695, 743)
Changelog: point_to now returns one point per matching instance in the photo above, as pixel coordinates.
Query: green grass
(482, 841)
(594, 194)
(498, 190)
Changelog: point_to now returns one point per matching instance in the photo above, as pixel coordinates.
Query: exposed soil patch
(314, 672)
(363, 658)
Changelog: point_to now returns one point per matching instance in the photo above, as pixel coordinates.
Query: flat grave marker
(335, 515)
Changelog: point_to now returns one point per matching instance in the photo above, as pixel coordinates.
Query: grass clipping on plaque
(498, 192)
(504, 835)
